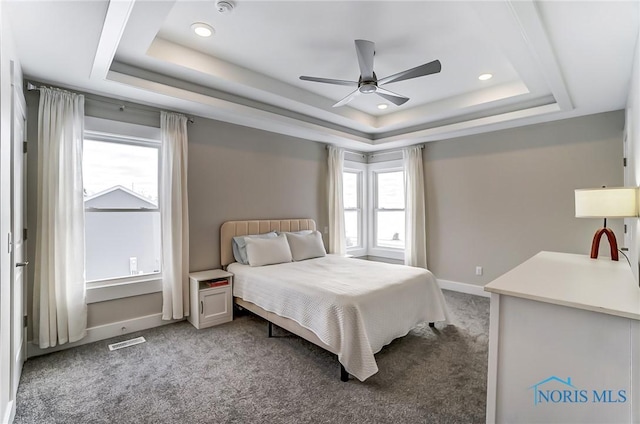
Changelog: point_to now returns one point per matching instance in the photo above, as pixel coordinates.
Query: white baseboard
(463, 288)
(103, 332)
(10, 412)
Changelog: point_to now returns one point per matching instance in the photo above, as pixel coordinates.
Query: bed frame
(230, 229)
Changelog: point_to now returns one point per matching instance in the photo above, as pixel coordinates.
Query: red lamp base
(613, 244)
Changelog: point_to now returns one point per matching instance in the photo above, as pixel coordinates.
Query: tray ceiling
(549, 60)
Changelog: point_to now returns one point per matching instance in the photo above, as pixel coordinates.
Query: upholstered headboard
(230, 229)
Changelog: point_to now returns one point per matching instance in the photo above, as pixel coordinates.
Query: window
(374, 202)
(122, 219)
(388, 209)
(353, 198)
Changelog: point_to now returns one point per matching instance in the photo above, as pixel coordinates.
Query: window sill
(356, 251)
(396, 254)
(385, 260)
(102, 291)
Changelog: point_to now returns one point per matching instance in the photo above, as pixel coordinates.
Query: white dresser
(564, 342)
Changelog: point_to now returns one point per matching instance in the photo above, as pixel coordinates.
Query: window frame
(106, 130)
(362, 171)
(127, 141)
(367, 193)
(372, 248)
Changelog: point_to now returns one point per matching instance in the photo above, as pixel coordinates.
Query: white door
(18, 252)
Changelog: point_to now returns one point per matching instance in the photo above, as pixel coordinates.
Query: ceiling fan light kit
(369, 83)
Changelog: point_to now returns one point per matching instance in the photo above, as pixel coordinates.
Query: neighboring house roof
(118, 197)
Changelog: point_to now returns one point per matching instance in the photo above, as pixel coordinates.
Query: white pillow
(306, 246)
(295, 232)
(268, 251)
(239, 245)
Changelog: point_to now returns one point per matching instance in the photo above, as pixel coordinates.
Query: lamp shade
(609, 202)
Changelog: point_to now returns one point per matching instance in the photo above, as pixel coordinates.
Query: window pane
(390, 229)
(390, 190)
(352, 227)
(350, 189)
(107, 165)
(120, 243)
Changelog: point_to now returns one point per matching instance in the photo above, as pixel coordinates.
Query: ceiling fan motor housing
(368, 87)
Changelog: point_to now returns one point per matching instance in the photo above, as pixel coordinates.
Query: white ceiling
(550, 60)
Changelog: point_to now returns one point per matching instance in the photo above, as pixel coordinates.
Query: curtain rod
(390, 152)
(121, 105)
(372, 154)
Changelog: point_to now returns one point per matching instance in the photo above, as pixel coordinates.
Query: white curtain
(59, 298)
(174, 214)
(415, 253)
(337, 242)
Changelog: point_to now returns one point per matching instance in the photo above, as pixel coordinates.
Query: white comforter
(354, 306)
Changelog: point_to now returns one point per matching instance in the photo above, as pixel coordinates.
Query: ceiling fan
(369, 83)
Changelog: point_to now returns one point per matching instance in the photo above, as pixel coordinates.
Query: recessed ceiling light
(202, 29)
(383, 106)
(485, 77)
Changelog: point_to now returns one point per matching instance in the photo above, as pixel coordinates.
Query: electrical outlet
(478, 270)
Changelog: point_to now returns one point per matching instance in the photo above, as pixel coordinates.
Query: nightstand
(211, 295)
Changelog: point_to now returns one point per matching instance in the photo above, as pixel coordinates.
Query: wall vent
(126, 343)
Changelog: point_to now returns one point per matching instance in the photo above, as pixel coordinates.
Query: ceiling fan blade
(347, 99)
(419, 71)
(329, 81)
(394, 98)
(365, 51)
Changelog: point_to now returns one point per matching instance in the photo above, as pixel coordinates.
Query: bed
(350, 307)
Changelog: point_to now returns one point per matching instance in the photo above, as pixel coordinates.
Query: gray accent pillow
(239, 244)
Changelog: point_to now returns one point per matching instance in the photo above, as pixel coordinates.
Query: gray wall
(242, 173)
(493, 199)
(234, 173)
(496, 199)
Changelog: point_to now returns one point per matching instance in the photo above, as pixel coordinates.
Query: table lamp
(606, 202)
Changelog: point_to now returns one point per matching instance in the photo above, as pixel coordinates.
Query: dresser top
(577, 281)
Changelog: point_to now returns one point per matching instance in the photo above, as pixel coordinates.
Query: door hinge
(24, 234)
(625, 228)
(24, 147)
(24, 321)
(624, 161)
